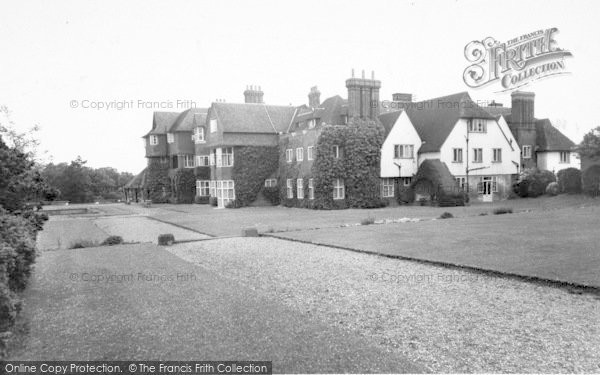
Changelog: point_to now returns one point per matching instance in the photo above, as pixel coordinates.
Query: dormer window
(213, 125)
(153, 140)
(198, 136)
(170, 138)
(477, 125)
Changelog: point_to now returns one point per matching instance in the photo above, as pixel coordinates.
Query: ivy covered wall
(158, 182)
(251, 166)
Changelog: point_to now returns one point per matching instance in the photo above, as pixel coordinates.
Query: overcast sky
(57, 52)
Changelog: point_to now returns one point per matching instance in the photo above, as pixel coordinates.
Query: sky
(61, 60)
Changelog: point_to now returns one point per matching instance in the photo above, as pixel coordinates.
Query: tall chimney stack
(314, 97)
(363, 96)
(522, 124)
(253, 94)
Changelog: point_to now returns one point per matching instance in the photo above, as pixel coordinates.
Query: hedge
(591, 180)
(569, 181)
(184, 182)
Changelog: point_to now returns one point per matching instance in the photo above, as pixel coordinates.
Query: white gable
(402, 133)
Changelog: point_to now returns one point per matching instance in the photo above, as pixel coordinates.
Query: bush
(201, 200)
(272, 195)
(446, 215)
(569, 181)
(533, 183)
(166, 239)
(503, 210)
(235, 204)
(213, 201)
(368, 221)
(591, 180)
(112, 240)
(405, 194)
(552, 189)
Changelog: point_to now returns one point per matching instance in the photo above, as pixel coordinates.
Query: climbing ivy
(184, 183)
(252, 165)
(158, 182)
(358, 165)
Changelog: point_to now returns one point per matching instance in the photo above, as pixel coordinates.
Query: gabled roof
(434, 119)
(253, 117)
(329, 112)
(162, 122)
(498, 111)
(388, 120)
(549, 138)
(188, 119)
(138, 181)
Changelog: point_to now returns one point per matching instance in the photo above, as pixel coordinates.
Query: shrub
(184, 183)
(166, 239)
(253, 164)
(552, 189)
(112, 240)
(591, 180)
(213, 201)
(368, 221)
(235, 204)
(272, 195)
(503, 210)
(201, 200)
(405, 194)
(446, 215)
(533, 183)
(569, 181)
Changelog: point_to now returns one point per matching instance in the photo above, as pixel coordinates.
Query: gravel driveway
(445, 320)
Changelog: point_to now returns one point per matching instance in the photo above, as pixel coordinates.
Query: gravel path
(445, 320)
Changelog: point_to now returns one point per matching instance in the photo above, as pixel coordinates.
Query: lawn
(559, 244)
(228, 222)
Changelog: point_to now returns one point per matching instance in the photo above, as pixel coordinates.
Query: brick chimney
(314, 97)
(253, 94)
(363, 96)
(522, 123)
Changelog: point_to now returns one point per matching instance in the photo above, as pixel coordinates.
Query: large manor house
(481, 149)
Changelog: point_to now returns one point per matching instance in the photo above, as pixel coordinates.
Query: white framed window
(289, 155)
(477, 125)
(211, 158)
(565, 157)
(336, 151)
(497, 155)
(198, 136)
(227, 157)
(527, 152)
(290, 188)
(457, 155)
(403, 151)
(202, 188)
(312, 123)
(270, 182)
(309, 153)
(225, 192)
(213, 188)
(300, 188)
(188, 161)
(202, 160)
(170, 138)
(339, 191)
(460, 182)
(300, 154)
(406, 181)
(153, 140)
(477, 155)
(387, 187)
(311, 189)
(213, 125)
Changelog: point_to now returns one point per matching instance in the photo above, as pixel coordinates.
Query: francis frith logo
(515, 63)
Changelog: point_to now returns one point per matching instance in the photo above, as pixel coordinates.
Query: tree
(590, 146)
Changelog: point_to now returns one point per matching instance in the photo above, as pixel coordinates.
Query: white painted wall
(550, 161)
(498, 135)
(402, 133)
